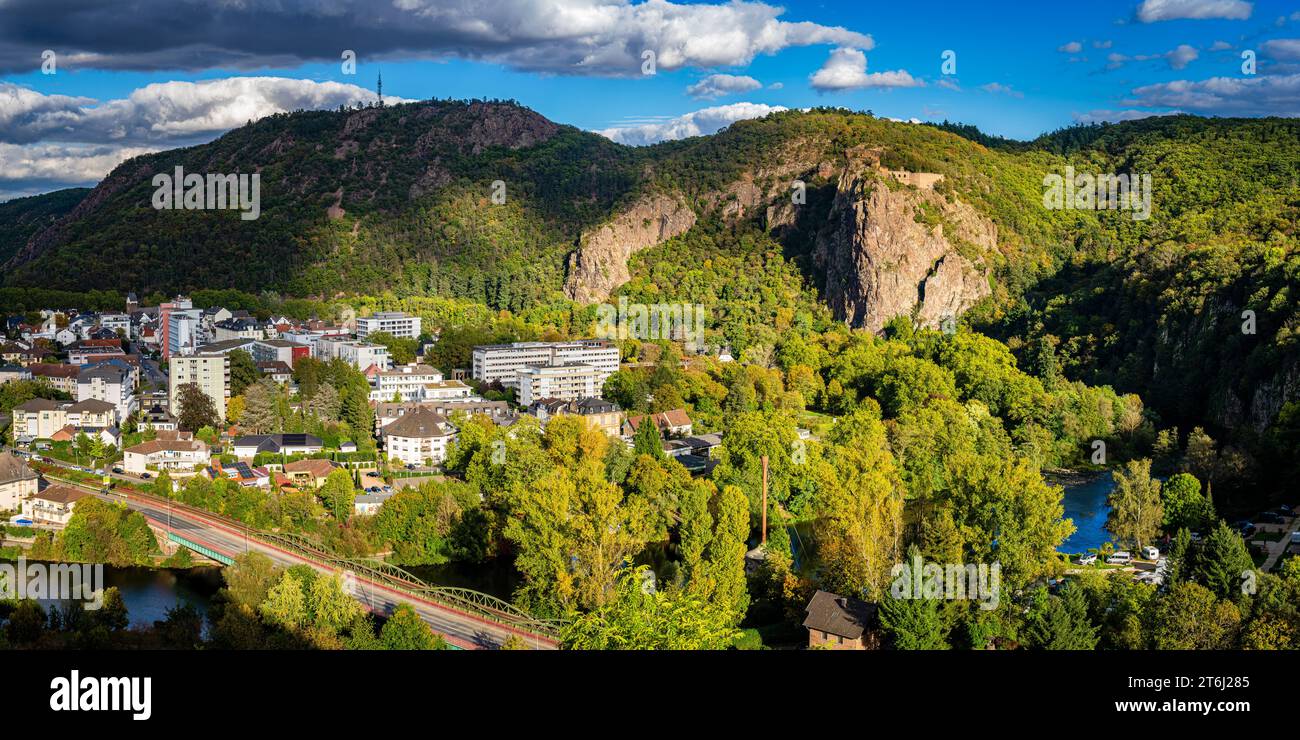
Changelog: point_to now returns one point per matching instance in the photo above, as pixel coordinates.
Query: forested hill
(20, 218)
(397, 201)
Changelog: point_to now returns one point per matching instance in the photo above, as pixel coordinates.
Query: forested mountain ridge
(20, 218)
(397, 202)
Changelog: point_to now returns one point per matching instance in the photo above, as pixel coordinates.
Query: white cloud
(846, 69)
(1074, 47)
(1277, 95)
(1283, 49)
(1220, 46)
(28, 169)
(1103, 44)
(1152, 11)
(1182, 56)
(716, 86)
(698, 123)
(166, 111)
(948, 84)
(997, 88)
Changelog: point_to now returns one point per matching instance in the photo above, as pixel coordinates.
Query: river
(1085, 503)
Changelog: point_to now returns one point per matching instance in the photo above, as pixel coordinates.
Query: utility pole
(763, 532)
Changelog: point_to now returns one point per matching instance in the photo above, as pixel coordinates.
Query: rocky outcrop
(599, 265)
(891, 249)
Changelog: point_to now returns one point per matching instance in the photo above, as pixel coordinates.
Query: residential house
(309, 473)
(277, 371)
(841, 623)
(281, 444)
(387, 413)
(41, 418)
(172, 455)
(369, 504)
(246, 328)
(605, 415)
(674, 423)
(109, 382)
(60, 377)
(239, 473)
(14, 372)
(54, 505)
(17, 481)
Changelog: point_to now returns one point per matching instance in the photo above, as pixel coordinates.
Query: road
(462, 629)
(1275, 549)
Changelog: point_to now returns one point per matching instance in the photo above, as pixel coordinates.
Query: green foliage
(637, 618)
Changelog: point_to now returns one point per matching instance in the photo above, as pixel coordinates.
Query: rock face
(892, 249)
(599, 265)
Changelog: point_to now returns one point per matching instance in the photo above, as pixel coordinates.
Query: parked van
(1150, 552)
(1119, 558)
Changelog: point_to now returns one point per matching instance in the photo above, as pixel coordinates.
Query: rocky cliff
(599, 265)
(890, 249)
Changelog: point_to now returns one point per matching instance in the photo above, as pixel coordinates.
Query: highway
(227, 537)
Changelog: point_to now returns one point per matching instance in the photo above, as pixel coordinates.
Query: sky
(86, 85)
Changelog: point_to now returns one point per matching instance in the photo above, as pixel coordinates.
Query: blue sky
(178, 72)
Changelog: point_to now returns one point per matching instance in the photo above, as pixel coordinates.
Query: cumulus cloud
(1287, 50)
(52, 141)
(1177, 58)
(1220, 46)
(1152, 11)
(846, 69)
(1182, 56)
(719, 85)
(1276, 95)
(1073, 47)
(697, 123)
(169, 112)
(1103, 44)
(580, 37)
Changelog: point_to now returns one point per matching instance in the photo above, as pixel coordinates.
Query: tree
(196, 409)
(914, 624)
(646, 441)
(1061, 622)
(338, 494)
(1184, 506)
(286, 604)
(243, 371)
(261, 412)
(404, 630)
(1135, 508)
(1190, 618)
(726, 554)
(324, 404)
(1223, 562)
(640, 618)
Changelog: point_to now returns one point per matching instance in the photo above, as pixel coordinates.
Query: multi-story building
(242, 328)
(184, 331)
(567, 382)
(279, 350)
(180, 303)
(396, 323)
(17, 481)
(605, 415)
(418, 438)
(60, 377)
(501, 363)
(448, 390)
(210, 371)
(54, 505)
(111, 382)
(360, 355)
(41, 418)
(387, 413)
(310, 336)
(406, 383)
(116, 322)
(14, 372)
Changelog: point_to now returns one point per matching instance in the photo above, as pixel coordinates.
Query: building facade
(396, 323)
(501, 363)
(209, 371)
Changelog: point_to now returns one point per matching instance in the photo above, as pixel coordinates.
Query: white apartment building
(116, 322)
(184, 331)
(111, 383)
(311, 337)
(418, 437)
(225, 331)
(210, 371)
(566, 382)
(407, 382)
(502, 362)
(360, 355)
(401, 325)
(448, 390)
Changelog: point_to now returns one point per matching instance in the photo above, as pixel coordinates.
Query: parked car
(145, 476)
(1248, 529)
(1087, 558)
(1119, 558)
(117, 470)
(1150, 552)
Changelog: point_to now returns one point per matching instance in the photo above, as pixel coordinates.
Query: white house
(417, 437)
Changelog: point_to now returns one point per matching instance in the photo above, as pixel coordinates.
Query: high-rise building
(209, 371)
(565, 382)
